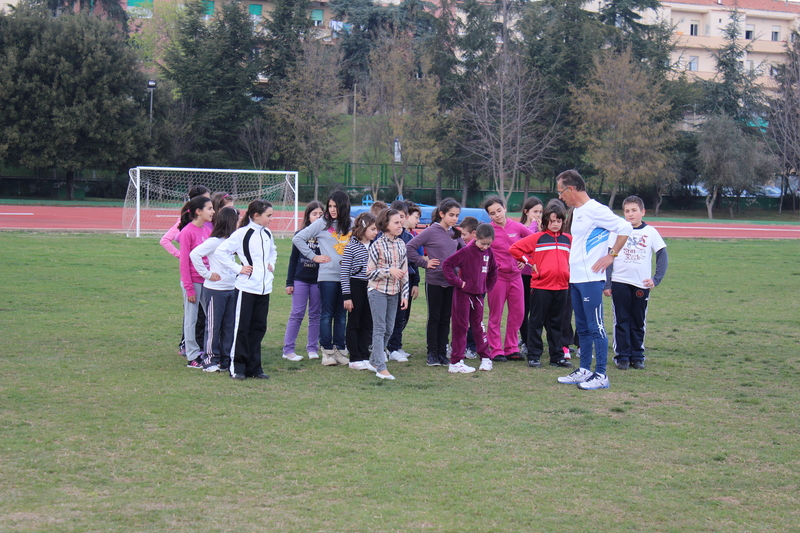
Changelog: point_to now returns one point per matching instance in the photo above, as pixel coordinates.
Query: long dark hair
(312, 205)
(219, 199)
(342, 220)
(529, 204)
(198, 190)
(198, 202)
(225, 222)
(444, 206)
(256, 207)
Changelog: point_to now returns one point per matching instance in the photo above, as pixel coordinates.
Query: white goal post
(156, 194)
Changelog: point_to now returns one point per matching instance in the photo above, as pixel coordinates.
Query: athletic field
(104, 429)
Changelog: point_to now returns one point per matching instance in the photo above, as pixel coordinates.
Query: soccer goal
(156, 194)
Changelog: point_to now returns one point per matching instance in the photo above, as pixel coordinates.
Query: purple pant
(303, 293)
(467, 313)
(505, 291)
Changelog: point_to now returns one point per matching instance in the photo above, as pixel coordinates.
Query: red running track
(109, 219)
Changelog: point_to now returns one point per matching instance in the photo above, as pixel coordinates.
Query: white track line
(723, 228)
(17, 214)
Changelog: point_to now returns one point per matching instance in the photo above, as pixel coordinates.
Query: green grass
(103, 429)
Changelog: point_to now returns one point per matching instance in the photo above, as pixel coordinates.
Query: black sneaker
(433, 359)
(622, 364)
(500, 359)
(563, 363)
(534, 363)
(516, 356)
(444, 360)
(261, 376)
(240, 377)
(638, 365)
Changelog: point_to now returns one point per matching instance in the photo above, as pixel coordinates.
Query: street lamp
(151, 86)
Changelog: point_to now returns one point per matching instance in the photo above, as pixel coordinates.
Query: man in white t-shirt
(589, 257)
(628, 282)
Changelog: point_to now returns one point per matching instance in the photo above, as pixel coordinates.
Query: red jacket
(549, 252)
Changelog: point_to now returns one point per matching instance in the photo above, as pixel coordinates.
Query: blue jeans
(333, 317)
(587, 301)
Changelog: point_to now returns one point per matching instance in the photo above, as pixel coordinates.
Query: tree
(402, 99)
(623, 122)
(734, 91)
(286, 26)
(305, 108)
(512, 119)
(215, 67)
(784, 115)
(258, 140)
(71, 94)
(478, 43)
(730, 159)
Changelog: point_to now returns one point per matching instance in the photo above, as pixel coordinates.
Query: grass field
(104, 429)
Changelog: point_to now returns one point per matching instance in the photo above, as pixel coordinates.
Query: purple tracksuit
(473, 273)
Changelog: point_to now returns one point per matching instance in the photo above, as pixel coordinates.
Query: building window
(776, 33)
(316, 17)
(694, 28)
(749, 32)
(693, 64)
(773, 71)
(751, 66)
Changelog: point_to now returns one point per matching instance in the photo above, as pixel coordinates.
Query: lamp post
(151, 86)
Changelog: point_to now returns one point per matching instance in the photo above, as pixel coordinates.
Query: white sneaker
(327, 358)
(578, 376)
(567, 355)
(460, 368)
(595, 381)
(486, 364)
(357, 365)
(313, 355)
(345, 352)
(469, 354)
(523, 349)
(212, 368)
(293, 357)
(449, 350)
(340, 357)
(397, 356)
(378, 374)
(405, 353)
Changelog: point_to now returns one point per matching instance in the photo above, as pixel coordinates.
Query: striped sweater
(354, 265)
(384, 254)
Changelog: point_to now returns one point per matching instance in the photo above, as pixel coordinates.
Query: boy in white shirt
(629, 281)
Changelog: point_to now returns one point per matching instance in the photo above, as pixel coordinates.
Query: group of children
(356, 279)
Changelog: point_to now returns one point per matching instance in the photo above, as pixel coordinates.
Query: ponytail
(256, 207)
(191, 207)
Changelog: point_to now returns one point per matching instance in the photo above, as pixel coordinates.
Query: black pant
(568, 334)
(547, 309)
(440, 302)
(359, 322)
(526, 290)
(251, 325)
(630, 314)
(200, 327)
(400, 321)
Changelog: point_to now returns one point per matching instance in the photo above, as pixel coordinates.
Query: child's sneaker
(196, 363)
(341, 357)
(578, 376)
(567, 355)
(460, 368)
(638, 365)
(313, 355)
(212, 368)
(486, 364)
(433, 359)
(469, 354)
(405, 353)
(327, 358)
(622, 364)
(534, 362)
(293, 357)
(397, 356)
(595, 381)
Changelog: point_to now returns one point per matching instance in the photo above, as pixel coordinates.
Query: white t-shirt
(635, 261)
(592, 223)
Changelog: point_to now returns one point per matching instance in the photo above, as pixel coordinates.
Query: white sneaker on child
(313, 355)
(578, 376)
(212, 368)
(486, 364)
(469, 354)
(293, 357)
(397, 356)
(405, 353)
(460, 368)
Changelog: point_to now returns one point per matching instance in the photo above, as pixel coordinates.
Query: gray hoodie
(331, 243)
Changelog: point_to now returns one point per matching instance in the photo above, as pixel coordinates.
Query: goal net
(156, 195)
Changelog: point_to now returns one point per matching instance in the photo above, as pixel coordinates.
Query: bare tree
(402, 101)
(512, 120)
(784, 118)
(624, 123)
(258, 140)
(306, 102)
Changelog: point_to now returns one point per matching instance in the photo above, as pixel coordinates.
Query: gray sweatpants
(384, 310)
(190, 322)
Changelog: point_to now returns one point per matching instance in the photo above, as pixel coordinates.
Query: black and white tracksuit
(255, 246)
